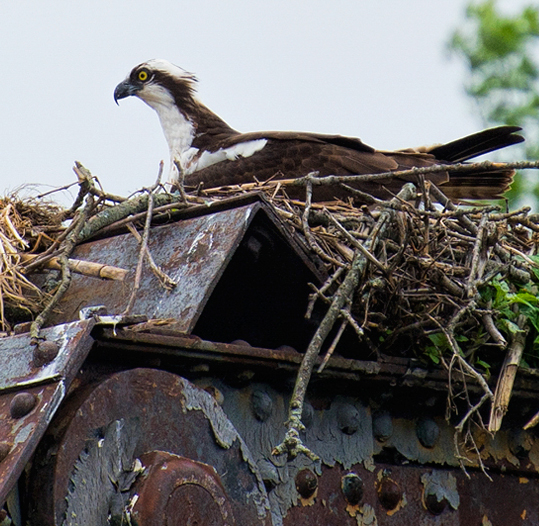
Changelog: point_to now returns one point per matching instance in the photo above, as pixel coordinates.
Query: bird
(206, 151)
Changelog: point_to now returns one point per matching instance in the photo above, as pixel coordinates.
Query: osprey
(210, 152)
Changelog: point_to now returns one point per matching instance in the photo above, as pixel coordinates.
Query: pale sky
(374, 69)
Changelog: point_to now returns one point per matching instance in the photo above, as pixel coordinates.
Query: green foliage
(507, 299)
(504, 74)
(510, 299)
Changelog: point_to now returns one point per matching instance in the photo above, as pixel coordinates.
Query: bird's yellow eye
(143, 75)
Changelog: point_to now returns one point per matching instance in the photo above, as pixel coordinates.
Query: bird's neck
(190, 130)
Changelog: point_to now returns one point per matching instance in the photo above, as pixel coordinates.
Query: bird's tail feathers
(479, 143)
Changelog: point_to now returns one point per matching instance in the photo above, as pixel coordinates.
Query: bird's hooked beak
(125, 89)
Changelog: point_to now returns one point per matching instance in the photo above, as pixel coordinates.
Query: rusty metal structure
(169, 416)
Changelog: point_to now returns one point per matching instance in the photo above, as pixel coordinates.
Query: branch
(292, 444)
(85, 268)
(68, 247)
(506, 379)
(144, 242)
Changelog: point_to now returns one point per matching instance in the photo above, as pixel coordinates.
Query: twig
(319, 293)
(307, 229)
(181, 180)
(331, 180)
(471, 287)
(491, 328)
(144, 242)
(128, 208)
(356, 244)
(68, 246)
(292, 444)
(506, 378)
(85, 268)
(166, 281)
(471, 411)
(333, 345)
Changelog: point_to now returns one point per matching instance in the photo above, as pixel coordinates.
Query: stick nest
(418, 276)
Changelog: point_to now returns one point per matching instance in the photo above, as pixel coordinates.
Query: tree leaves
(499, 52)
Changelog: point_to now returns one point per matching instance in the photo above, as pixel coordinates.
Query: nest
(420, 277)
(417, 276)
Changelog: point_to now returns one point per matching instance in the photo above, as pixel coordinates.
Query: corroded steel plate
(87, 470)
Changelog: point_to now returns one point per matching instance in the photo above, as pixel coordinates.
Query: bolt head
(352, 488)
(45, 352)
(389, 494)
(427, 432)
(21, 404)
(306, 483)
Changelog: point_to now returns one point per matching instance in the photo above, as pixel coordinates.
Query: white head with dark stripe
(158, 83)
(169, 90)
(193, 132)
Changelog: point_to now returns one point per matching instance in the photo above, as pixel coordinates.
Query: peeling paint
(443, 485)
(225, 434)
(367, 516)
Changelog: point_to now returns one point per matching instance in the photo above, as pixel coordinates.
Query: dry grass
(23, 228)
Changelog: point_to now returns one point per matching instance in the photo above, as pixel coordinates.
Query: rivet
(435, 506)
(307, 414)
(5, 448)
(519, 441)
(382, 426)
(242, 343)
(427, 432)
(45, 352)
(269, 473)
(348, 419)
(389, 494)
(287, 348)
(22, 404)
(306, 483)
(262, 405)
(352, 488)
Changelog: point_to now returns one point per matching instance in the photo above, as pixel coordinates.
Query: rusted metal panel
(409, 495)
(23, 364)
(32, 391)
(110, 423)
(193, 253)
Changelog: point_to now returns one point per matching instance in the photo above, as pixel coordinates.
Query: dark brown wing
(351, 143)
(290, 154)
(295, 157)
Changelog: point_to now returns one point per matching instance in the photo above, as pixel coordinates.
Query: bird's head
(158, 82)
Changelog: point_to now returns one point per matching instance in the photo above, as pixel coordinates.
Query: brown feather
(288, 155)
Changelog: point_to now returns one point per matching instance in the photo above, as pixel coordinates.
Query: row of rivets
(349, 419)
(23, 403)
(427, 430)
(389, 492)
